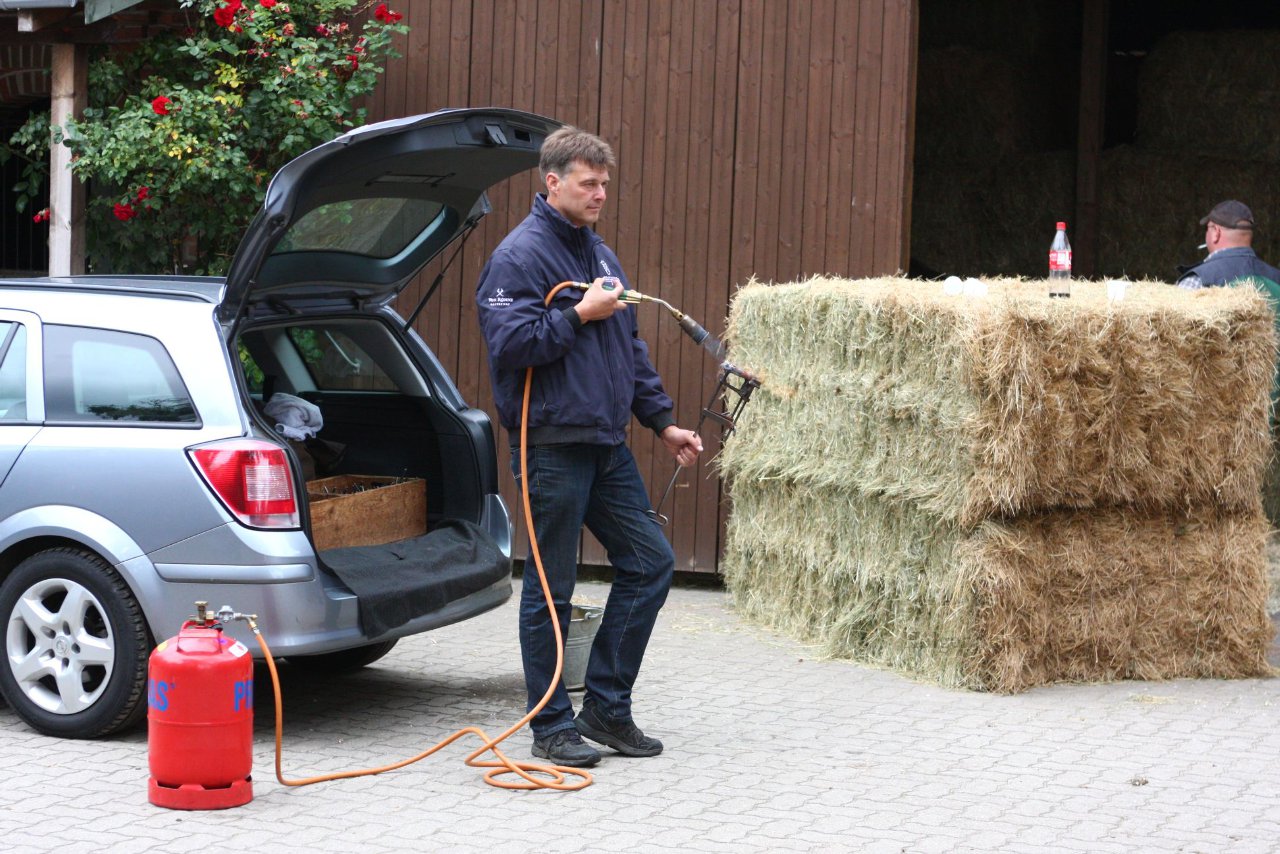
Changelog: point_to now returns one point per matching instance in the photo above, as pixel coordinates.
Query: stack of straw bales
(1207, 92)
(1003, 491)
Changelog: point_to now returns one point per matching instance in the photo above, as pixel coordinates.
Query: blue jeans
(599, 486)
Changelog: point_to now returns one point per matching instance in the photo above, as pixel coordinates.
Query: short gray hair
(569, 144)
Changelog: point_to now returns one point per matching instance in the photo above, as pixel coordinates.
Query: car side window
(338, 363)
(101, 375)
(13, 372)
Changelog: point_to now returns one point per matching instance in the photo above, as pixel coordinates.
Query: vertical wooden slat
(744, 197)
(451, 90)
(710, 264)
(647, 272)
(686, 158)
(819, 164)
(907, 167)
(792, 158)
(896, 53)
(772, 132)
(866, 137)
(580, 24)
(482, 66)
(844, 78)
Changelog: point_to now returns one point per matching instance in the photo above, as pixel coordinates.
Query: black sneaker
(566, 747)
(623, 736)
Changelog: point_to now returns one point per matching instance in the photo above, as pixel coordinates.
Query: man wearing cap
(1228, 236)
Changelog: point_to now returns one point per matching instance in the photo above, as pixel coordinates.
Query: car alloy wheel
(75, 645)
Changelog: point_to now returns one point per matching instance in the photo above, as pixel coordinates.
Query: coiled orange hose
(532, 775)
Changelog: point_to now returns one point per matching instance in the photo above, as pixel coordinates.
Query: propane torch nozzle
(690, 326)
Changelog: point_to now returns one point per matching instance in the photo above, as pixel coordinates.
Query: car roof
(204, 288)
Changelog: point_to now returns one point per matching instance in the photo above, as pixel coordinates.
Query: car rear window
(374, 227)
(101, 375)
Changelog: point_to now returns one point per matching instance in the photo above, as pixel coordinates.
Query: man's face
(578, 194)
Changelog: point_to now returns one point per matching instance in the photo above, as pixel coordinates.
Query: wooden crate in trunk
(364, 510)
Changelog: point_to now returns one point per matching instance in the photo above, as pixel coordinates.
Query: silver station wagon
(161, 438)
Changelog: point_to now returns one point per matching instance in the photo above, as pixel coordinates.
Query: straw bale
(1007, 404)
(1060, 596)
(1212, 93)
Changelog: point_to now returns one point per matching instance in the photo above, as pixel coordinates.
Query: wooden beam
(37, 19)
(1093, 111)
(66, 192)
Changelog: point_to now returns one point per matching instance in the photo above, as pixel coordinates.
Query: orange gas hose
(552, 776)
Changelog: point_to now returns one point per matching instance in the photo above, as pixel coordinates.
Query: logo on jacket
(500, 299)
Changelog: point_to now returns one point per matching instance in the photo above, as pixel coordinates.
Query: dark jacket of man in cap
(1228, 237)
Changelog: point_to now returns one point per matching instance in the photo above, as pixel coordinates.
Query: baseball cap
(1230, 214)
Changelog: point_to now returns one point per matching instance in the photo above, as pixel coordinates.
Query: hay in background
(1064, 596)
(950, 207)
(1007, 404)
(1008, 26)
(990, 217)
(979, 122)
(1151, 207)
(1213, 93)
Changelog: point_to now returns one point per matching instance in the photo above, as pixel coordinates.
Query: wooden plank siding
(755, 138)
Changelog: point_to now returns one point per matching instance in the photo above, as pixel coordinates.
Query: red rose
(42, 216)
(160, 105)
(224, 15)
(354, 60)
(322, 29)
(267, 4)
(382, 13)
(143, 193)
(124, 213)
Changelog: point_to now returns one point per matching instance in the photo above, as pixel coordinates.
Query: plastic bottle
(1060, 264)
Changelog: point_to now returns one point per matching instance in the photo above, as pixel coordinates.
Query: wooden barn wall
(766, 139)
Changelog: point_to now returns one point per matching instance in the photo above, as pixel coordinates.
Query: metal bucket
(584, 622)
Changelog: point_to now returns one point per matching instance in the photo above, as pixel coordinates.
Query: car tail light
(253, 480)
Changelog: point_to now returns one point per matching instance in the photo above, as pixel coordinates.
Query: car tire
(342, 661)
(75, 646)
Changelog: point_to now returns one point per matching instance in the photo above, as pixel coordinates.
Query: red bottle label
(1059, 259)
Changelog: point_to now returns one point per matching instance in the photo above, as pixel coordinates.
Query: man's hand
(601, 300)
(684, 445)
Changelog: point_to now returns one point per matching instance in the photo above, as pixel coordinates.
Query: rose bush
(184, 130)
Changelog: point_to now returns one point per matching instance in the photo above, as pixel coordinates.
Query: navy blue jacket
(1227, 265)
(588, 378)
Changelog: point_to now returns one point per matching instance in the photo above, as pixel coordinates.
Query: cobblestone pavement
(768, 749)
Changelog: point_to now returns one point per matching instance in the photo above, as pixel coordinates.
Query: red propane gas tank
(200, 721)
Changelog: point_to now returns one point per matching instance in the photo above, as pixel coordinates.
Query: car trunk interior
(395, 477)
(380, 417)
